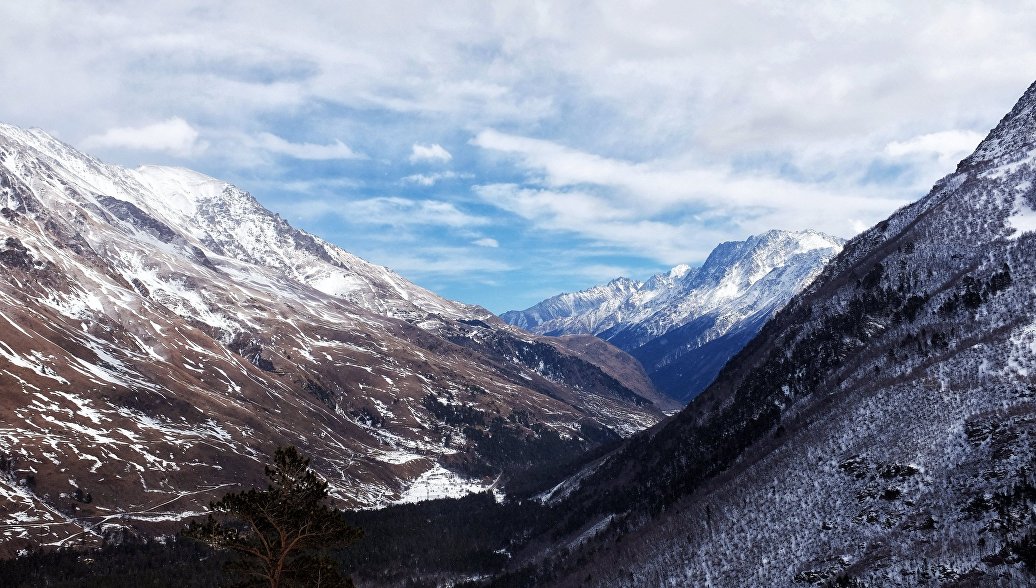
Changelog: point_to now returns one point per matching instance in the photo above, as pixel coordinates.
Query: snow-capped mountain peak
(727, 299)
(679, 271)
(182, 190)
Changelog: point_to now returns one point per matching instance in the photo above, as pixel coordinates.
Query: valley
(517, 295)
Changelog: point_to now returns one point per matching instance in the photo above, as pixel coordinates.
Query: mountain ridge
(160, 329)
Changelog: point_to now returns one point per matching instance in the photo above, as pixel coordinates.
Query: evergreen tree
(280, 534)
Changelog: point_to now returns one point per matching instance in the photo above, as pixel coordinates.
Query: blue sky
(500, 152)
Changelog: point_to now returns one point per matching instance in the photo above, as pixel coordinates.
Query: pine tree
(280, 534)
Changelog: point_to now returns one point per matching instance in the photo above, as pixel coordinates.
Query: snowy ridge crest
(223, 220)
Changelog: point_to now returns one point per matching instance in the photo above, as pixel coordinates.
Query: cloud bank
(434, 153)
(175, 136)
(583, 133)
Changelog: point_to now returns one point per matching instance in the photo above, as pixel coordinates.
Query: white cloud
(434, 178)
(947, 146)
(432, 153)
(309, 185)
(595, 218)
(389, 210)
(439, 261)
(661, 209)
(311, 151)
(174, 136)
(486, 242)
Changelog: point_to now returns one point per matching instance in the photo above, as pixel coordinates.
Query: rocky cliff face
(683, 325)
(161, 332)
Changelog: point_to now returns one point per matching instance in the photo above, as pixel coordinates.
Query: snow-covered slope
(160, 332)
(684, 324)
(589, 311)
(880, 430)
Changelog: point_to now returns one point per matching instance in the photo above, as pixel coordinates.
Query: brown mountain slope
(160, 333)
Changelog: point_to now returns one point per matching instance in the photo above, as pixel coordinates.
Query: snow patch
(1022, 219)
(438, 483)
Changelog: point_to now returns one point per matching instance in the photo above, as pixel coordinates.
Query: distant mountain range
(161, 332)
(683, 325)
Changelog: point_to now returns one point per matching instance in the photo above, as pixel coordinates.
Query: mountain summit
(683, 325)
